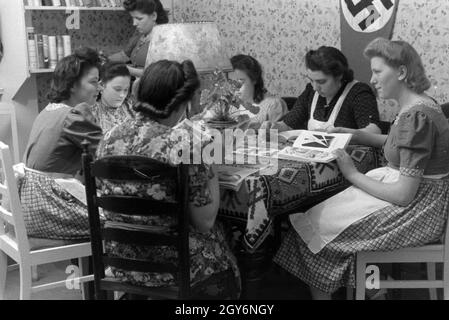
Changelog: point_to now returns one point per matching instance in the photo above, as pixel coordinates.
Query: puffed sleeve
(298, 116)
(364, 106)
(415, 138)
(80, 125)
(276, 109)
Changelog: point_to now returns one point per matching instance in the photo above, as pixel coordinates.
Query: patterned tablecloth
(262, 197)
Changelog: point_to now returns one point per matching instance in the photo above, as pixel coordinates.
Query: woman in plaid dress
(402, 205)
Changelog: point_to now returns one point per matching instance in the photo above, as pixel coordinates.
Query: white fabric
(324, 222)
(315, 125)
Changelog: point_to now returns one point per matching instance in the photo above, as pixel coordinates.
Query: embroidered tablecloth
(262, 197)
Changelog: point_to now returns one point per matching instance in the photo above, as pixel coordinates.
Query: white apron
(315, 125)
(325, 221)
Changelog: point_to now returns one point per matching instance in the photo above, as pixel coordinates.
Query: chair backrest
(137, 169)
(11, 214)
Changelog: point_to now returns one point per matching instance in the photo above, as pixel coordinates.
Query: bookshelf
(102, 28)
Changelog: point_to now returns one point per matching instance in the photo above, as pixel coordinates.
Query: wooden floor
(276, 285)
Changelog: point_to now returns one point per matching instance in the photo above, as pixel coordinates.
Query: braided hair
(166, 85)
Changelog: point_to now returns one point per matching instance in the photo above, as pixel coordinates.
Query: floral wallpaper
(279, 32)
(276, 32)
(108, 31)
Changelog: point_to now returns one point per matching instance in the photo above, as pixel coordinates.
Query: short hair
(69, 71)
(330, 61)
(148, 7)
(253, 69)
(110, 70)
(400, 53)
(164, 86)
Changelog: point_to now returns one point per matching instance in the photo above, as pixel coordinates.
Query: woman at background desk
(332, 98)
(404, 204)
(145, 14)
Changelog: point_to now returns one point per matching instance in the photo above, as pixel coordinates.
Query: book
(53, 53)
(59, 47)
(67, 45)
(313, 146)
(46, 46)
(232, 176)
(40, 50)
(32, 49)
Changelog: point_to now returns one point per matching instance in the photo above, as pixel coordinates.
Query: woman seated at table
(402, 205)
(113, 106)
(164, 93)
(54, 150)
(249, 72)
(332, 98)
(145, 14)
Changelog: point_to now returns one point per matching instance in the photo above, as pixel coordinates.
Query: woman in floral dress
(164, 93)
(402, 205)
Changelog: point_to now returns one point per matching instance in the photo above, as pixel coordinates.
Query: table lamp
(196, 41)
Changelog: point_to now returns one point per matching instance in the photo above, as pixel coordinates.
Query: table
(263, 197)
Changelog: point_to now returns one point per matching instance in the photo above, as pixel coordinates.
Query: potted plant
(222, 106)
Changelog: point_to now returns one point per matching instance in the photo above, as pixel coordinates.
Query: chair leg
(360, 280)
(446, 281)
(25, 282)
(3, 272)
(431, 275)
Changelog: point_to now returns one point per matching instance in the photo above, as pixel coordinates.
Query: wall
(279, 33)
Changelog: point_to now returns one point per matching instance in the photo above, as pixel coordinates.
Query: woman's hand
(345, 163)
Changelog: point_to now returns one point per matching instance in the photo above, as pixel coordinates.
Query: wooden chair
(137, 168)
(17, 245)
(429, 254)
(10, 111)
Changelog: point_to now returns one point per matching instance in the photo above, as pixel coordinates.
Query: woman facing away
(402, 205)
(333, 98)
(249, 72)
(164, 93)
(145, 14)
(54, 150)
(113, 106)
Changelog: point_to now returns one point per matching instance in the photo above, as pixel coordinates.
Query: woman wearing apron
(402, 205)
(145, 14)
(332, 98)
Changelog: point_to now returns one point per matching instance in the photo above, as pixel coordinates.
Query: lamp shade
(196, 41)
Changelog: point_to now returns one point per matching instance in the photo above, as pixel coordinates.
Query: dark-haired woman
(113, 106)
(249, 72)
(145, 14)
(332, 98)
(164, 93)
(54, 150)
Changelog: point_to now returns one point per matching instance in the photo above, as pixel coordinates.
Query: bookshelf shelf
(30, 8)
(33, 71)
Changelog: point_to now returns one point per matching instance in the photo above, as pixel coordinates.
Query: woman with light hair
(404, 204)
